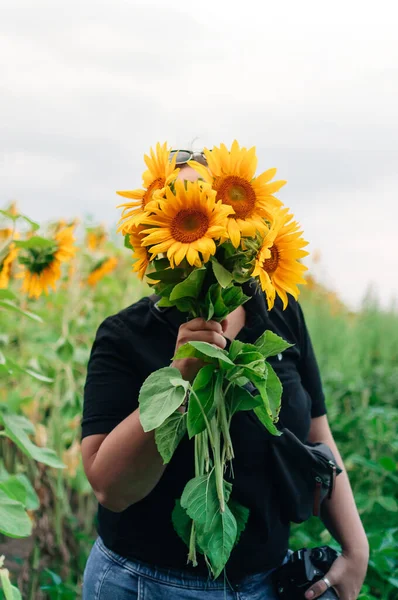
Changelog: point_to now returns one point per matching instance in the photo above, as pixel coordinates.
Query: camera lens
(317, 554)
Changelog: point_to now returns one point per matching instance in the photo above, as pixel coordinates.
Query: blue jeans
(109, 576)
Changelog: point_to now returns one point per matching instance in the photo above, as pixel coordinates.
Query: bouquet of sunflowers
(197, 242)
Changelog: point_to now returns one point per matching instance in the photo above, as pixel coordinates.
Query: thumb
(316, 590)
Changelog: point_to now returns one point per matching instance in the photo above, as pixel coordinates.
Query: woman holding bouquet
(138, 553)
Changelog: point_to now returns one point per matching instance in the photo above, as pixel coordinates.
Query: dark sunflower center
(157, 184)
(238, 193)
(189, 225)
(271, 264)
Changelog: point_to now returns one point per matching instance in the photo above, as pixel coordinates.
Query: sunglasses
(183, 156)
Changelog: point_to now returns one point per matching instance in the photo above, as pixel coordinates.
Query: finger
(202, 325)
(316, 590)
(224, 325)
(211, 337)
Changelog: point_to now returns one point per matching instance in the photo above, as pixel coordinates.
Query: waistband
(177, 577)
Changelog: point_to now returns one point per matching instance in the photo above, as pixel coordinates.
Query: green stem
(206, 420)
(192, 546)
(218, 465)
(34, 572)
(228, 451)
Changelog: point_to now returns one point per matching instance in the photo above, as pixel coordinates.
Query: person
(137, 554)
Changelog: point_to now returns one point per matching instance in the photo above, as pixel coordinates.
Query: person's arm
(124, 465)
(340, 516)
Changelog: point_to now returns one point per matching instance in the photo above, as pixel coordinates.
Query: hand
(198, 330)
(346, 576)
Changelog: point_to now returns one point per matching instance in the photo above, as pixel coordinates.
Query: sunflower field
(58, 282)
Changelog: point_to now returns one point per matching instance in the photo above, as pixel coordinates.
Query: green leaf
(35, 226)
(204, 351)
(164, 303)
(388, 463)
(167, 276)
(241, 514)
(274, 391)
(14, 521)
(9, 590)
(185, 304)
(17, 429)
(7, 295)
(202, 390)
(266, 420)
(200, 499)
(270, 344)
(233, 297)
(223, 276)
(32, 499)
(240, 399)
(26, 313)
(161, 264)
(159, 397)
(214, 298)
(190, 287)
(14, 490)
(182, 522)
(388, 503)
(235, 348)
(253, 361)
(216, 531)
(34, 242)
(127, 243)
(261, 385)
(13, 368)
(65, 350)
(169, 434)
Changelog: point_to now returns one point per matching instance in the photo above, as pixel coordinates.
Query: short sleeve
(309, 370)
(112, 387)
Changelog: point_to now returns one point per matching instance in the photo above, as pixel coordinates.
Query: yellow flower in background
(186, 222)
(161, 170)
(34, 284)
(277, 265)
(6, 266)
(96, 238)
(232, 174)
(5, 234)
(140, 252)
(104, 267)
(42, 265)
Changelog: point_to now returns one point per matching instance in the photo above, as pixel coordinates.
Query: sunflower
(186, 222)
(6, 265)
(277, 264)
(140, 252)
(161, 170)
(105, 266)
(96, 238)
(5, 234)
(231, 174)
(42, 265)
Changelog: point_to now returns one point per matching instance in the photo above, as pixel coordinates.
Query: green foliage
(160, 395)
(206, 352)
(18, 428)
(14, 521)
(169, 434)
(202, 400)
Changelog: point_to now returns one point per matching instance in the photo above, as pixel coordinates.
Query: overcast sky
(87, 86)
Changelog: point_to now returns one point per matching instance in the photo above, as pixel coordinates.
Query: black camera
(303, 569)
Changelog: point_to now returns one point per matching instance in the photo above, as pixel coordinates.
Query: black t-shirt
(139, 340)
